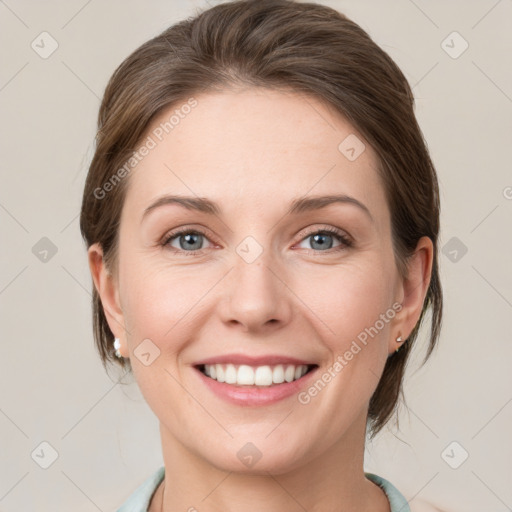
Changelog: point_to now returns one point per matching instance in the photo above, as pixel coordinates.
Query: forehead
(254, 147)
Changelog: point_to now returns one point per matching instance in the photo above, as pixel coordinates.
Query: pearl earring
(117, 346)
(399, 340)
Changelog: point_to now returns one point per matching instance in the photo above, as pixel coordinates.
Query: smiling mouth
(259, 376)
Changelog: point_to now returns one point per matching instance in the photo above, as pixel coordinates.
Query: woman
(261, 215)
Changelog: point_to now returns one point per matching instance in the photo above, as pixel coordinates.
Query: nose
(257, 297)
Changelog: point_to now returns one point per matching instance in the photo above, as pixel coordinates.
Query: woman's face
(259, 281)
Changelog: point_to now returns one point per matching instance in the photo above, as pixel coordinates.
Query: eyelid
(173, 233)
(345, 239)
(325, 229)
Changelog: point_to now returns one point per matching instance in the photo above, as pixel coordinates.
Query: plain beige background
(98, 438)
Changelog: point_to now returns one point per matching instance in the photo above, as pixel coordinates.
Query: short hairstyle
(282, 45)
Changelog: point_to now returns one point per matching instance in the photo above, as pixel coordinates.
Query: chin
(257, 457)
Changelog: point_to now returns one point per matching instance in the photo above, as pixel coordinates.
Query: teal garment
(139, 500)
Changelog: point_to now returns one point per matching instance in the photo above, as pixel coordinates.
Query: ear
(108, 290)
(413, 290)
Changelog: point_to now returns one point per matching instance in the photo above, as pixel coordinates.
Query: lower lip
(256, 395)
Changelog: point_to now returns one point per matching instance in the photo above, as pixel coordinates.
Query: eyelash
(345, 241)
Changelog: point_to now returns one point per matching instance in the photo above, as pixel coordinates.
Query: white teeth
(230, 374)
(289, 374)
(220, 372)
(245, 375)
(278, 374)
(263, 376)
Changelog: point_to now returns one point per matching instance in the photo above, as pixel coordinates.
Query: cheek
(161, 301)
(350, 301)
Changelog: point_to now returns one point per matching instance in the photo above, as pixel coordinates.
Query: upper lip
(239, 359)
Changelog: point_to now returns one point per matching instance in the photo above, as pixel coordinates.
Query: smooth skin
(253, 151)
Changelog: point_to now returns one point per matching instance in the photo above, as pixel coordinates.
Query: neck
(332, 481)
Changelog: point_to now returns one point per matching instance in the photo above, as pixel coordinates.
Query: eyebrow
(300, 205)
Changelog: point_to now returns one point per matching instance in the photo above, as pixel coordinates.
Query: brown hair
(280, 44)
